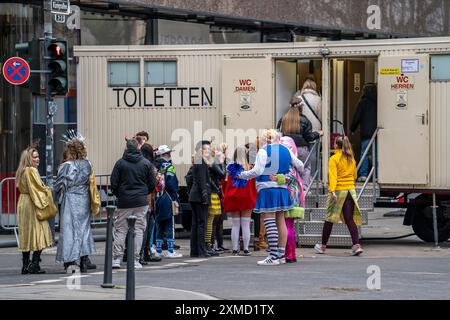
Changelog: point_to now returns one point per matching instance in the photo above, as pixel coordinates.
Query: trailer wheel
(423, 224)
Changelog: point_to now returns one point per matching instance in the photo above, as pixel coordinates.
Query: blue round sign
(16, 70)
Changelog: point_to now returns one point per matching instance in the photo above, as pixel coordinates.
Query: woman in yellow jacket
(342, 202)
(34, 234)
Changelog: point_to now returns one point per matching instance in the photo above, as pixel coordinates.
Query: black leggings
(347, 211)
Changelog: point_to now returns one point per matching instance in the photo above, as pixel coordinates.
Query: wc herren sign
(162, 97)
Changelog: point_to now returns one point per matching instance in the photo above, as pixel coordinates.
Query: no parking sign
(16, 70)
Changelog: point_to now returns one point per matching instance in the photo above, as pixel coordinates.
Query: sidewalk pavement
(93, 292)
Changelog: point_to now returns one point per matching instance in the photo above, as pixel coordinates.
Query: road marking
(17, 285)
(204, 296)
(195, 260)
(176, 264)
(75, 276)
(95, 273)
(47, 281)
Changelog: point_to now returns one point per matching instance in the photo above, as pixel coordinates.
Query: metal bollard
(107, 273)
(130, 259)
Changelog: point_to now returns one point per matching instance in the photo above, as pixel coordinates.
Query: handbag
(50, 210)
(95, 195)
(175, 205)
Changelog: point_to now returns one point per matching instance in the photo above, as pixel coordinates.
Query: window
(123, 73)
(440, 68)
(159, 73)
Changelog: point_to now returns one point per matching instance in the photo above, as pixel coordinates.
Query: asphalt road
(408, 269)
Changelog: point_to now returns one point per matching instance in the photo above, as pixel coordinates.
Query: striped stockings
(272, 236)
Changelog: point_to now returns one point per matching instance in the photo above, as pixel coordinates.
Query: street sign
(60, 6)
(60, 18)
(16, 70)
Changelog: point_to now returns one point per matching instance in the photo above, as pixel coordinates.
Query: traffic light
(31, 51)
(57, 64)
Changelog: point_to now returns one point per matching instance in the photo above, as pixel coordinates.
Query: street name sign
(60, 6)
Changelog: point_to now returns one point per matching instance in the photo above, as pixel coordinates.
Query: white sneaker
(157, 254)
(282, 260)
(173, 255)
(357, 250)
(116, 263)
(137, 265)
(362, 179)
(153, 250)
(319, 248)
(269, 262)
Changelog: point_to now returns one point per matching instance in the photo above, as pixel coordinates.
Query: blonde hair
(347, 151)
(309, 84)
(241, 156)
(290, 123)
(26, 160)
(270, 136)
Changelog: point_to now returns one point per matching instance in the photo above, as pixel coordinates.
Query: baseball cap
(163, 149)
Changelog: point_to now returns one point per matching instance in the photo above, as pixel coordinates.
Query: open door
(403, 109)
(285, 86)
(247, 95)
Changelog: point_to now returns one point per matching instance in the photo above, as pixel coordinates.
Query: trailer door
(403, 109)
(247, 97)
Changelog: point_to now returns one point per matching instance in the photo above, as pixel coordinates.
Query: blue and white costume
(272, 159)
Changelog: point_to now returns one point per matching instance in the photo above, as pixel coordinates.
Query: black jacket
(217, 173)
(132, 179)
(365, 117)
(201, 183)
(306, 134)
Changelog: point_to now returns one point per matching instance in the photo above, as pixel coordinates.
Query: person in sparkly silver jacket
(73, 193)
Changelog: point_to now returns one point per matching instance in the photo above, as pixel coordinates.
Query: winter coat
(315, 101)
(306, 134)
(170, 193)
(201, 183)
(217, 173)
(365, 117)
(132, 179)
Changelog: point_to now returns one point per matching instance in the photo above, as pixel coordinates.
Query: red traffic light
(56, 49)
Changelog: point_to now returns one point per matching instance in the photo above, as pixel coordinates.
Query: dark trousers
(347, 211)
(198, 229)
(164, 229)
(148, 231)
(218, 230)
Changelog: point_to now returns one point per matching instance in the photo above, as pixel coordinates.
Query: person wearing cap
(132, 180)
(164, 199)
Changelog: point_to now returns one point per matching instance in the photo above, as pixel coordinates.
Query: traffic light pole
(50, 105)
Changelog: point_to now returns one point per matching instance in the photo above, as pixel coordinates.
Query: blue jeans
(365, 168)
(164, 231)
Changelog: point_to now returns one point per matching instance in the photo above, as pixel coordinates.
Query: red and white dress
(238, 198)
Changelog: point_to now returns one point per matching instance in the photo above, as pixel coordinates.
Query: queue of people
(269, 183)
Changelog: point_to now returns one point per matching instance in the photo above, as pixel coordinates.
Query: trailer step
(319, 214)
(309, 240)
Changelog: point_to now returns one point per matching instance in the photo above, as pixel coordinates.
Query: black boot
(90, 265)
(25, 262)
(68, 264)
(34, 267)
(83, 264)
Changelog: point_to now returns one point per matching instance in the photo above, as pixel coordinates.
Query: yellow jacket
(341, 174)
